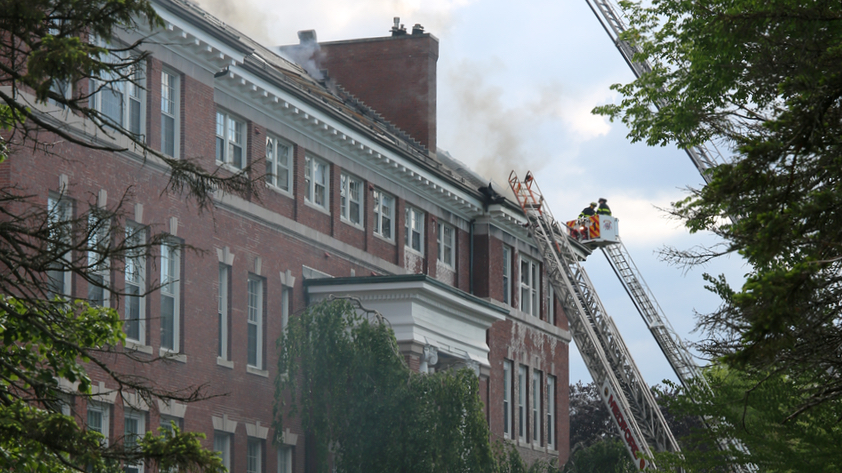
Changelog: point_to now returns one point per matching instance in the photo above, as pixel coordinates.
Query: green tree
(605, 456)
(764, 81)
(754, 412)
(60, 52)
(344, 377)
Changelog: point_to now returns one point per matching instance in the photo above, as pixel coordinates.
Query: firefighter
(588, 211)
(603, 207)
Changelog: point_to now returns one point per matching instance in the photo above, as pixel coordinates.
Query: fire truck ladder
(669, 341)
(635, 412)
(667, 338)
(703, 157)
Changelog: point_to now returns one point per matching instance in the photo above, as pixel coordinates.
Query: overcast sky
(516, 84)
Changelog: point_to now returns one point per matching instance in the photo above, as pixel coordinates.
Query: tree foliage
(354, 393)
(344, 378)
(608, 455)
(754, 412)
(764, 80)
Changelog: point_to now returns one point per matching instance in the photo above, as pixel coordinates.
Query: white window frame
(135, 279)
(222, 310)
(230, 137)
(59, 215)
(384, 212)
(551, 417)
(414, 227)
(222, 443)
(536, 406)
(521, 402)
(316, 182)
(550, 303)
(99, 266)
(278, 163)
(285, 459)
(171, 109)
(139, 418)
(104, 412)
(507, 274)
(255, 320)
(349, 200)
(507, 399)
(132, 93)
(446, 244)
(254, 455)
(529, 285)
(171, 288)
(286, 301)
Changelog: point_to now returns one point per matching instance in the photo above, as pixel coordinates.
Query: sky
(516, 84)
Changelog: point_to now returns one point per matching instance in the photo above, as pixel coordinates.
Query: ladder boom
(635, 412)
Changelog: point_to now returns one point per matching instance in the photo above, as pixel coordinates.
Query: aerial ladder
(704, 157)
(632, 406)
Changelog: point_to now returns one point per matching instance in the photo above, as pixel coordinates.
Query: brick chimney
(394, 75)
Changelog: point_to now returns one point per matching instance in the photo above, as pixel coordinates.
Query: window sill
(413, 251)
(229, 167)
(257, 371)
(136, 346)
(278, 190)
(318, 207)
(381, 237)
(351, 224)
(172, 355)
(225, 363)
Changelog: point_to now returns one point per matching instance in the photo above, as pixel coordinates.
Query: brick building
(358, 200)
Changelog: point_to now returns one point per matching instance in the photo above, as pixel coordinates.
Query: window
(384, 214)
(135, 285)
(315, 182)
(284, 459)
(507, 274)
(278, 156)
(550, 303)
(551, 412)
(135, 427)
(529, 287)
(230, 140)
(98, 419)
(222, 444)
(254, 456)
(414, 236)
(58, 218)
(170, 292)
(99, 229)
(170, 104)
(255, 322)
(286, 300)
(166, 422)
(351, 199)
(222, 305)
(120, 101)
(536, 406)
(507, 398)
(446, 243)
(521, 402)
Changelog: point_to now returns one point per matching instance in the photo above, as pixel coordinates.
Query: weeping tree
(345, 379)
